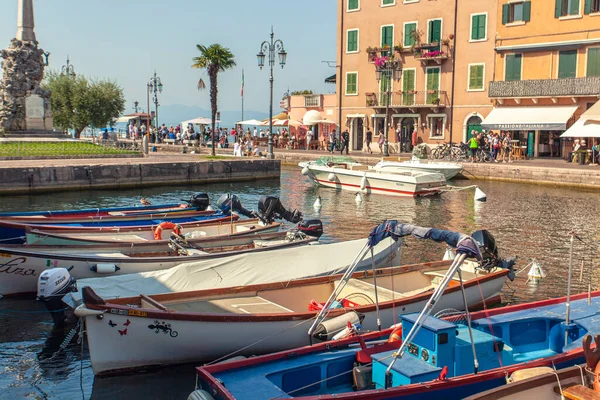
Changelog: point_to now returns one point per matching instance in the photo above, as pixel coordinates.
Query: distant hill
(175, 113)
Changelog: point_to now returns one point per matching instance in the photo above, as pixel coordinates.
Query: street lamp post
(387, 68)
(155, 86)
(68, 69)
(136, 106)
(270, 47)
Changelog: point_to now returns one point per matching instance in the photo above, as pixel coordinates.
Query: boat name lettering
(10, 267)
(118, 312)
(5, 255)
(138, 313)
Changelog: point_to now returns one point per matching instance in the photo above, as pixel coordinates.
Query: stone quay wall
(96, 175)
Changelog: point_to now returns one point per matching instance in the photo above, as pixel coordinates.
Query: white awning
(311, 118)
(593, 113)
(125, 119)
(550, 118)
(583, 129)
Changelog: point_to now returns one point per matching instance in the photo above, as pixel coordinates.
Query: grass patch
(57, 149)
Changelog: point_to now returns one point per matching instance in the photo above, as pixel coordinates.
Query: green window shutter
(387, 36)
(505, 13)
(587, 7)
(435, 31)
(574, 9)
(527, 11)
(567, 64)
(352, 4)
(408, 84)
(513, 67)
(476, 77)
(433, 83)
(386, 2)
(351, 83)
(558, 9)
(482, 26)
(478, 23)
(352, 41)
(408, 29)
(593, 62)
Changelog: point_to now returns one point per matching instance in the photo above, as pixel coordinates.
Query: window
(383, 89)
(387, 36)
(352, 41)
(353, 5)
(351, 83)
(564, 8)
(513, 67)
(567, 64)
(516, 12)
(478, 27)
(408, 87)
(436, 124)
(593, 62)
(432, 85)
(591, 6)
(409, 28)
(388, 3)
(434, 33)
(476, 76)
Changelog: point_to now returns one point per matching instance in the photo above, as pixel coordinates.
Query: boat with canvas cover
(449, 358)
(261, 318)
(347, 174)
(448, 169)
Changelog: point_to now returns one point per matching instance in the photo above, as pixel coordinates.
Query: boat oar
(376, 294)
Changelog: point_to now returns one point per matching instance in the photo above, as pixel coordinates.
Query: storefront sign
(526, 126)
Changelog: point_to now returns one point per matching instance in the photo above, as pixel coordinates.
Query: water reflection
(527, 221)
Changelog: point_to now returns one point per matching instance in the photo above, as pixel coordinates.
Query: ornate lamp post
(270, 47)
(136, 106)
(155, 87)
(387, 68)
(68, 69)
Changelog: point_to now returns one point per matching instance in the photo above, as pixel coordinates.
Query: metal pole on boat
(376, 294)
(468, 315)
(568, 303)
(437, 294)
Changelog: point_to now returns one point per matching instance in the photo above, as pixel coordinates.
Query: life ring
(166, 225)
(597, 378)
(396, 335)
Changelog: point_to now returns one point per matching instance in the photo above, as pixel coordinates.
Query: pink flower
(380, 61)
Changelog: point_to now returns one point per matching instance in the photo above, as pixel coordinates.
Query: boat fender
(200, 395)
(443, 373)
(363, 182)
(327, 329)
(305, 171)
(166, 225)
(82, 311)
(331, 177)
(104, 268)
(363, 377)
(396, 335)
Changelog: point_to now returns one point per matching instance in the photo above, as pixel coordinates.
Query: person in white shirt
(309, 136)
(255, 132)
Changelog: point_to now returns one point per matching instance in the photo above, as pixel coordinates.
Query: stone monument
(24, 104)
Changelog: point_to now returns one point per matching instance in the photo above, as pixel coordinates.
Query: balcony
(433, 99)
(565, 87)
(312, 100)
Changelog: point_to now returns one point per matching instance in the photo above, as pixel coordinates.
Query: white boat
(448, 169)
(346, 174)
(142, 331)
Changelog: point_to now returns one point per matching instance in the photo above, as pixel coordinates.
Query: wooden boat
(448, 169)
(346, 174)
(21, 267)
(204, 325)
(507, 339)
(211, 234)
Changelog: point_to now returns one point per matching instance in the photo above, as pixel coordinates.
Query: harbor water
(530, 222)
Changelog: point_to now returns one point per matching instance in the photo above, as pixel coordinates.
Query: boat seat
(578, 392)
(359, 168)
(358, 287)
(232, 305)
(527, 373)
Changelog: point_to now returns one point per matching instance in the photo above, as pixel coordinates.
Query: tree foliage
(78, 102)
(214, 58)
(301, 92)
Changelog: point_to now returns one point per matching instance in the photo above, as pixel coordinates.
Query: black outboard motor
(230, 202)
(199, 201)
(270, 208)
(489, 251)
(312, 227)
(53, 284)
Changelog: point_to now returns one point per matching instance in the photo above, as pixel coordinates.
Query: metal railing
(312, 101)
(428, 98)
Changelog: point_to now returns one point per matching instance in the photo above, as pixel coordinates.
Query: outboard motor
(312, 227)
(270, 208)
(199, 201)
(53, 284)
(230, 202)
(489, 251)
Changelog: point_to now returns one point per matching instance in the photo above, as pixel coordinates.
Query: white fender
(331, 177)
(104, 268)
(200, 395)
(479, 195)
(81, 311)
(363, 182)
(305, 171)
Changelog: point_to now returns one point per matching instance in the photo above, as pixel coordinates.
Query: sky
(127, 40)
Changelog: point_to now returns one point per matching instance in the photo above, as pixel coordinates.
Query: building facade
(444, 51)
(546, 70)
(317, 111)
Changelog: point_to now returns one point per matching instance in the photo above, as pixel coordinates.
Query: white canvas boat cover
(281, 265)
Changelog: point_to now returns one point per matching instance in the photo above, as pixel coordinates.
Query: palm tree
(215, 58)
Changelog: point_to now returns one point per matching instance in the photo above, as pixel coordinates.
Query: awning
(331, 79)
(311, 118)
(583, 129)
(125, 119)
(523, 118)
(593, 113)
(199, 121)
(278, 116)
(250, 122)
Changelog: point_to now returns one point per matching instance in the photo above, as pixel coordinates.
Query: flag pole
(242, 93)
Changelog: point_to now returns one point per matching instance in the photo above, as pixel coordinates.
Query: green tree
(301, 92)
(78, 103)
(214, 58)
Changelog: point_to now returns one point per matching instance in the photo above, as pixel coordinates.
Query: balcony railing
(565, 87)
(312, 101)
(409, 99)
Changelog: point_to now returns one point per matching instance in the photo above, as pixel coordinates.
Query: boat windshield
(335, 160)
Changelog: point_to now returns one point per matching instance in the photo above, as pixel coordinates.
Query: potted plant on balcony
(371, 99)
(398, 48)
(372, 53)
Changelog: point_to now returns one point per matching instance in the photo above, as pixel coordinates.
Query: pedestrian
(380, 141)
(415, 138)
(345, 139)
(309, 136)
(551, 143)
(368, 140)
(473, 145)
(332, 141)
(507, 146)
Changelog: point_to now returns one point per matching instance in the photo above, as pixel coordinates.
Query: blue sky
(125, 40)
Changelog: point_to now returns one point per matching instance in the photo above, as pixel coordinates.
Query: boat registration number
(5, 255)
(137, 313)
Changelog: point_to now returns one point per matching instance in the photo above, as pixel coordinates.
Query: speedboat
(449, 170)
(347, 174)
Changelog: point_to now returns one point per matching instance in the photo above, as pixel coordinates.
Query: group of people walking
(498, 145)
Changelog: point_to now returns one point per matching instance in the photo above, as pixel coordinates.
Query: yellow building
(546, 71)
(445, 50)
